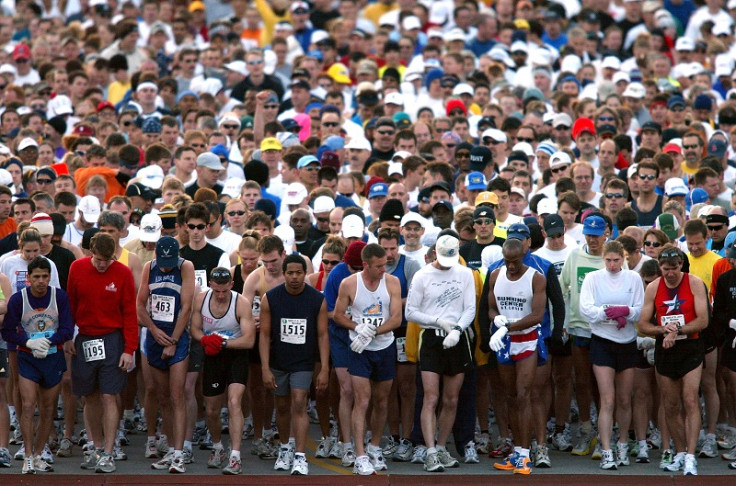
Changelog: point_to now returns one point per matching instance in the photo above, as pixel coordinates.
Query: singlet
(514, 297)
(401, 275)
(320, 284)
(647, 219)
(294, 328)
(238, 281)
(40, 322)
(204, 261)
(125, 258)
(164, 300)
(675, 305)
(227, 325)
(372, 307)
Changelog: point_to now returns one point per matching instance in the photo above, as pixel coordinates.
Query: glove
(621, 322)
(452, 339)
(368, 331)
(496, 342)
(38, 344)
(616, 311)
(500, 321)
(650, 356)
(359, 344)
(645, 343)
(212, 344)
(445, 325)
(732, 324)
(557, 339)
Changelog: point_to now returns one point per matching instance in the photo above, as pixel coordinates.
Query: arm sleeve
(12, 331)
(637, 301)
(468, 315)
(414, 303)
(66, 324)
(484, 323)
(54, 282)
(332, 286)
(128, 311)
(554, 295)
(588, 310)
(224, 261)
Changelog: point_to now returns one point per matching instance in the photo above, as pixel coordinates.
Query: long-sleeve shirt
(577, 266)
(602, 289)
(444, 294)
(724, 308)
(104, 302)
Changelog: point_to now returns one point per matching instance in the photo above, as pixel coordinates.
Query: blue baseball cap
(594, 226)
(221, 151)
(378, 189)
(518, 231)
(475, 181)
(167, 252)
(306, 160)
(696, 196)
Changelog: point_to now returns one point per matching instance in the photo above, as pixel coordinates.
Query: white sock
(524, 452)
(200, 423)
(235, 455)
(218, 445)
(188, 445)
(431, 450)
(440, 448)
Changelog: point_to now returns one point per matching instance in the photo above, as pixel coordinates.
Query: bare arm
(645, 325)
(394, 291)
(323, 341)
(492, 306)
(264, 346)
(196, 327)
(247, 329)
(187, 296)
(344, 299)
(539, 302)
(258, 121)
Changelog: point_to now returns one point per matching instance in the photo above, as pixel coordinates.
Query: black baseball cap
(553, 225)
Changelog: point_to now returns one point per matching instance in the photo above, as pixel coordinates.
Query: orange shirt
(84, 174)
(721, 266)
(9, 226)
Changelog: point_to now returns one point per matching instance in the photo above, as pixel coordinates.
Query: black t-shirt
(307, 248)
(63, 259)
(191, 190)
(205, 259)
(381, 155)
(471, 251)
(314, 234)
(269, 82)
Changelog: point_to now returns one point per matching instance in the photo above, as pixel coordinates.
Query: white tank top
(514, 298)
(228, 326)
(373, 307)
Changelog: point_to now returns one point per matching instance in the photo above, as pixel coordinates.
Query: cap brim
(554, 231)
(167, 262)
(448, 261)
(91, 217)
(352, 233)
(150, 237)
(593, 233)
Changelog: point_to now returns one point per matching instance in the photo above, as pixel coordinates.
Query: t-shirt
(702, 266)
(416, 255)
(471, 251)
(555, 257)
(204, 261)
(227, 242)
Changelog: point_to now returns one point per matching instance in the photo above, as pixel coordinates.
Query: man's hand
(39, 354)
(212, 344)
(323, 380)
(161, 337)
(168, 352)
(496, 342)
(621, 322)
(732, 324)
(269, 381)
(368, 331)
(359, 343)
(445, 325)
(557, 339)
(500, 321)
(69, 348)
(669, 340)
(452, 339)
(126, 362)
(262, 97)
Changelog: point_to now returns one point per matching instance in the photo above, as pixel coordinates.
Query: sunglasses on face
(270, 107)
(691, 147)
(490, 141)
(557, 170)
(606, 118)
(330, 262)
(256, 62)
(525, 139)
(561, 128)
(715, 227)
(450, 146)
(677, 109)
(462, 155)
(199, 227)
(331, 125)
(43, 181)
(127, 123)
(554, 237)
(483, 221)
(323, 220)
(612, 195)
(648, 177)
(198, 145)
(236, 213)
(655, 244)
(230, 127)
(386, 132)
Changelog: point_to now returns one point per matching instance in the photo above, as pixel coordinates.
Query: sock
(300, 454)
(431, 450)
(177, 454)
(701, 434)
(586, 427)
(285, 446)
(235, 455)
(200, 423)
(292, 442)
(691, 456)
(710, 436)
(129, 414)
(642, 445)
(218, 445)
(348, 445)
(523, 452)
(90, 445)
(151, 438)
(171, 450)
(440, 448)
(517, 449)
(11, 408)
(188, 445)
(162, 438)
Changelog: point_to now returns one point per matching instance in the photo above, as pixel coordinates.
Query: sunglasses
(490, 141)
(450, 146)
(562, 127)
(612, 195)
(462, 155)
(198, 145)
(43, 181)
(310, 168)
(332, 125)
(253, 63)
(557, 170)
(150, 229)
(670, 253)
(655, 244)
(230, 127)
(484, 221)
(236, 213)
(691, 147)
(715, 227)
(330, 262)
(525, 139)
(43, 107)
(323, 220)
(199, 227)
(386, 132)
(270, 107)
(677, 109)
(648, 177)
(606, 118)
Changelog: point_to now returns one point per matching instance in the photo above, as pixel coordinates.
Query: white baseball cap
(90, 208)
(150, 228)
(352, 226)
(447, 249)
(323, 204)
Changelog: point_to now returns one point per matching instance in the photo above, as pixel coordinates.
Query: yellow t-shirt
(687, 170)
(702, 266)
(116, 91)
(374, 11)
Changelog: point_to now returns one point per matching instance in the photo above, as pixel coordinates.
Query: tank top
(401, 275)
(372, 307)
(164, 300)
(39, 323)
(648, 218)
(125, 258)
(227, 325)
(675, 305)
(514, 297)
(320, 284)
(294, 328)
(238, 282)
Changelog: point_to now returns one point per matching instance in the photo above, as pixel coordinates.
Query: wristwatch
(458, 329)
(679, 328)
(224, 344)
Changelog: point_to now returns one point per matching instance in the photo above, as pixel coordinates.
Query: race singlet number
(94, 350)
(200, 278)
(256, 306)
(373, 321)
(401, 350)
(47, 335)
(294, 331)
(675, 319)
(162, 307)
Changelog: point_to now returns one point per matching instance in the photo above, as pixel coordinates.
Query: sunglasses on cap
(220, 275)
(670, 253)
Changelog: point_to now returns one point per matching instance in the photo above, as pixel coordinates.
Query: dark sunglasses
(334, 124)
(330, 262)
(220, 275)
(199, 227)
(612, 195)
(655, 244)
(230, 127)
(715, 227)
(44, 181)
(562, 127)
(483, 221)
(649, 177)
(386, 132)
(270, 107)
(691, 147)
(323, 220)
(554, 237)
(557, 170)
(235, 213)
(525, 139)
(670, 253)
(606, 118)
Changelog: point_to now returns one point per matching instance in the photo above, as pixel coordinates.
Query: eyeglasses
(484, 221)
(270, 107)
(44, 181)
(331, 124)
(490, 141)
(457, 112)
(323, 220)
(606, 118)
(310, 168)
(253, 63)
(231, 127)
(198, 145)
(691, 147)
(330, 262)
(235, 213)
(127, 123)
(614, 195)
(199, 227)
(648, 177)
(41, 106)
(655, 244)
(450, 146)
(557, 170)
(715, 227)
(677, 109)
(525, 139)
(462, 155)
(386, 132)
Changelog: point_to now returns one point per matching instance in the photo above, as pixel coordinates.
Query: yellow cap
(270, 143)
(196, 5)
(487, 197)
(339, 73)
(520, 24)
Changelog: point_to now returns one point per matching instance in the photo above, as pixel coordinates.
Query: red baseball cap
(672, 147)
(84, 131)
(103, 105)
(581, 126)
(21, 51)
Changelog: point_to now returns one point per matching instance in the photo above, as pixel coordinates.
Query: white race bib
(256, 306)
(200, 278)
(675, 319)
(374, 321)
(94, 350)
(162, 307)
(294, 331)
(401, 350)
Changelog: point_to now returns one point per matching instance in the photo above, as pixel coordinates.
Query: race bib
(94, 350)
(256, 306)
(401, 350)
(294, 331)
(200, 278)
(47, 335)
(374, 321)
(162, 307)
(675, 319)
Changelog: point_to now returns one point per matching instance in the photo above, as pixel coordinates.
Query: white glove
(732, 324)
(650, 356)
(38, 344)
(645, 343)
(496, 341)
(445, 325)
(500, 321)
(360, 343)
(367, 330)
(452, 339)
(39, 354)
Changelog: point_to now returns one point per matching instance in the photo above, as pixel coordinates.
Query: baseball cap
(484, 212)
(47, 171)
(21, 51)
(446, 204)
(651, 125)
(486, 197)
(270, 143)
(90, 207)
(675, 186)
(668, 224)
(495, 134)
(562, 119)
(209, 161)
(167, 252)
(394, 98)
(635, 90)
(553, 225)
(447, 249)
(306, 160)
(676, 101)
(352, 226)
(393, 210)
(359, 143)
(559, 158)
(518, 231)
(475, 181)
(27, 142)
(295, 193)
(412, 217)
(547, 206)
(594, 226)
(717, 147)
(151, 225)
(581, 126)
(684, 44)
(378, 189)
(480, 157)
(323, 204)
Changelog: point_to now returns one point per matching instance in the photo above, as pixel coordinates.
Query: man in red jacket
(102, 298)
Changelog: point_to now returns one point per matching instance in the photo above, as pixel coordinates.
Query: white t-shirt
(227, 242)
(601, 289)
(417, 255)
(555, 257)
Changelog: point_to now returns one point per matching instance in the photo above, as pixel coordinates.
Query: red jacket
(104, 302)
